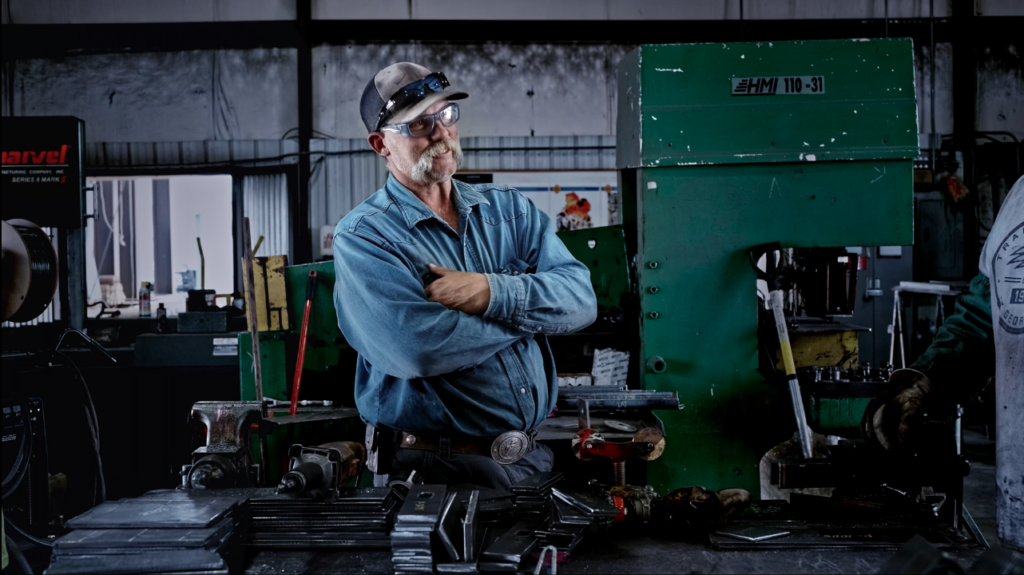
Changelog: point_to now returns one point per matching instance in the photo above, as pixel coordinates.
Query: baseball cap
(388, 82)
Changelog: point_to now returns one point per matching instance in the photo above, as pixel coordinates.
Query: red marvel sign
(42, 169)
(40, 157)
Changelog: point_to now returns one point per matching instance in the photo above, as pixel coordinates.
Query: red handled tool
(648, 444)
(310, 292)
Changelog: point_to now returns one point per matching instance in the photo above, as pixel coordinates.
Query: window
(145, 230)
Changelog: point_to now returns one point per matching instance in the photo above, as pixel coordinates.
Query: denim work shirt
(423, 367)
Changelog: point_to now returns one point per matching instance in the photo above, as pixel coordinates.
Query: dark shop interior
(694, 286)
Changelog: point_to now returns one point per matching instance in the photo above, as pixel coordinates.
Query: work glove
(892, 418)
(691, 511)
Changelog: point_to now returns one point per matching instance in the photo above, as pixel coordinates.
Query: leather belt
(507, 448)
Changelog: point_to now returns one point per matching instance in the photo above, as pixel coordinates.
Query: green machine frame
(709, 169)
(325, 341)
(328, 367)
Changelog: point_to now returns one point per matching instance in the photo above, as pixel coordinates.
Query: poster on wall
(574, 200)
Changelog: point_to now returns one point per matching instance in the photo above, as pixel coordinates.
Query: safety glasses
(412, 93)
(424, 125)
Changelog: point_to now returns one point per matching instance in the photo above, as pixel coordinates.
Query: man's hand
(890, 418)
(461, 291)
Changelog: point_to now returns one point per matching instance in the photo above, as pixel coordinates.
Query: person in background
(985, 336)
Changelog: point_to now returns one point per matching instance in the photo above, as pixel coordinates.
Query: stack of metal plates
(415, 524)
(358, 518)
(460, 534)
(582, 508)
(495, 509)
(533, 496)
(169, 532)
(565, 539)
(510, 553)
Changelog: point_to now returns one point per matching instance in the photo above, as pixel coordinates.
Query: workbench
(642, 554)
(612, 555)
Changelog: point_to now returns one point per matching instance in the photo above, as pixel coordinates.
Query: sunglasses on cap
(424, 125)
(410, 94)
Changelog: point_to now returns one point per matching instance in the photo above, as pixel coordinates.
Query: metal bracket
(973, 528)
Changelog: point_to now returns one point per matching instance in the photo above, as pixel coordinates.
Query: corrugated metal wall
(265, 203)
(539, 153)
(348, 172)
(344, 171)
(141, 155)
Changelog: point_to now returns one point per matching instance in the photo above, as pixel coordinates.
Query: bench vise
(226, 459)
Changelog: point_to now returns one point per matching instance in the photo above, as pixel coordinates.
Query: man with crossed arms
(447, 291)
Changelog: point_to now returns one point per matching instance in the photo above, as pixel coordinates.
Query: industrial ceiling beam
(21, 41)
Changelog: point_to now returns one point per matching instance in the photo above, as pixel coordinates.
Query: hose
(17, 558)
(93, 423)
(22, 532)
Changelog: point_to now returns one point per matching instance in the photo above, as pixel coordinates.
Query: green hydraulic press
(721, 147)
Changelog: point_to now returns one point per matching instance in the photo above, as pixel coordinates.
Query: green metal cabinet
(707, 171)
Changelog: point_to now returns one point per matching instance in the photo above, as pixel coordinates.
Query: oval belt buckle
(510, 447)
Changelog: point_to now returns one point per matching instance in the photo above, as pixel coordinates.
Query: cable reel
(29, 271)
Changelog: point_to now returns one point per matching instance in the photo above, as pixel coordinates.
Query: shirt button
(522, 390)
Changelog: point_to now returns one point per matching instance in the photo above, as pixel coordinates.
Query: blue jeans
(468, 468)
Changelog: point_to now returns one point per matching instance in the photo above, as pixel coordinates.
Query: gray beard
(422, 171)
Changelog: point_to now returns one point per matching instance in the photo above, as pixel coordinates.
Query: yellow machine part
(271, 294)
(832, 349)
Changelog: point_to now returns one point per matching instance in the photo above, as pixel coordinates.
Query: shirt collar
(415, 211)
(466, 196)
